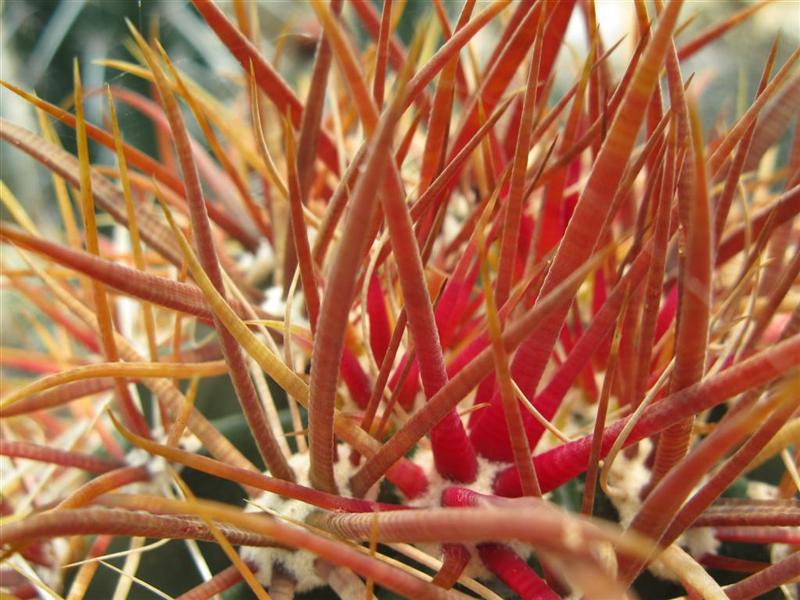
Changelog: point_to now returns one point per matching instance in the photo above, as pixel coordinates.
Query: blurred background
(39, 40)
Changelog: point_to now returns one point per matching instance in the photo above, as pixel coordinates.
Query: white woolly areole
(628, 476)
(699, 541)
(297, 564)
(156, 467)
(262, 259)
(487, 471)
(273, 301)
(758, 490)
(275, 304)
